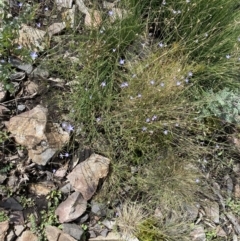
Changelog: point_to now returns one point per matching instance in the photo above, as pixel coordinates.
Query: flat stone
(198, 234)
(72, 208)
(73, 230)
(86, 175)
(55, 234)
(110, 237)
(93, 19)
(18, 229)
(56, 138)
(212, 211)
(17, 217)
(10, 237)
(27, 236)
(3, 229)
(29, 36)
(28, 68)
(109, 224)
(192, 211)
(39, 74)
(66, 189)
(55, 28)
(40, 189)
(98, 208)
(61, 172)
(11, 203)
(28, 128)
(17, 76)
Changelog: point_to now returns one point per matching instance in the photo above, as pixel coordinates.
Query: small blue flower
(174, 11)
(139, 96)
(177, 125)
(38, 25)
(98, 119)
(228, 56)
(131, 98)
(101, 30)
(46, 9)
(122, 61)
(197, 180)
(162, 84)
(69, 128)
(161, 45)
(124, 85)
(152, 82)
(114, 50)
(66, 154)
(179, 11)
(178, 83)
(165, 132)
(190, 74)
(186, 80)
(110, 13)
(148, 120)
(103, 84)
(20, 4)
(64, 125)
(19, 47)
(154, 118)
(61, 156)
(144, 128)
(33, 55)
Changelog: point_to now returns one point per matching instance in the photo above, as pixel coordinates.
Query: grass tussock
(136, 90)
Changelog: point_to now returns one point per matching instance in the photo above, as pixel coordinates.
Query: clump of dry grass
(130, 216)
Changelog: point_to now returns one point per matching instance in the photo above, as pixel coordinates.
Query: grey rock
(198, 234)
(192, 211)
(234, 220)
(72, 208)
(21, 65)
(92, 234)
(11, 203)
(66, 189)
(39, 74)
(16, 217)
(73, 230)
(104, 232)
(109, 224)
(17, 76)
(83, 219)
(98, 208)
(212, 211)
